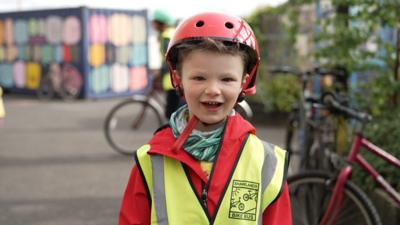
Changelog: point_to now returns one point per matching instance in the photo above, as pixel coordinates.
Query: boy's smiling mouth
(211, 104)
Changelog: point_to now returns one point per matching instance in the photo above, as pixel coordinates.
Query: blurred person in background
(164, 23)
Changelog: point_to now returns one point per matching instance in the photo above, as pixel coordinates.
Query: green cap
(163, 17)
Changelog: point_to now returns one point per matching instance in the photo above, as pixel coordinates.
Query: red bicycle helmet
(222, 27)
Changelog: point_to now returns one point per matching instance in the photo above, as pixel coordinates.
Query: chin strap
(185, 134)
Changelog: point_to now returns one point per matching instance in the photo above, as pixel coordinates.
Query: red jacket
(135, 207)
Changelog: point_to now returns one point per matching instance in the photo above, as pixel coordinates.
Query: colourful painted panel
(33, 75)
(120, 29)
(100, 79)
(21, 31)
(2, 32)
(138, 78)
(53, 30)
(96, 55)
(19, 74)
(118, 42)
(35, 53)
(58, 53)
(11, 53)
(8, 31)
(98, 29)
(46, 54)
(120, 78)
(2, 54)
(71, 33)
(139, 35)
(122, 56)
(139, 55)
(113, 53)
(6, 75)
(33, 27)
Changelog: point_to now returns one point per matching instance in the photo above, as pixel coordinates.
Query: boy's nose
(212, 88)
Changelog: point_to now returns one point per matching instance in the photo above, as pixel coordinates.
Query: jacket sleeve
(135, 206)
(279, 212)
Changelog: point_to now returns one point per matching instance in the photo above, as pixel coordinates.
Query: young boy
(207, 166)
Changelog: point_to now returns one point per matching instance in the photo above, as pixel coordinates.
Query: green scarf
(201, 145)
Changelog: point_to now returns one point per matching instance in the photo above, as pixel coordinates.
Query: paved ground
(56, 167)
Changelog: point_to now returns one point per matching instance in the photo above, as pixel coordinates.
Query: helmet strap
(185, 134)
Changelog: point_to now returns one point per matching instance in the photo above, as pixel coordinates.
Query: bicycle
(325, 198)
(64, 82)
(139, 116)
(309, 130)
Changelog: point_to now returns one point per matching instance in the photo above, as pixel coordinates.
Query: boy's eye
(198, 78)
(228, 79)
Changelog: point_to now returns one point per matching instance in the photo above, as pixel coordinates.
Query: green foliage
(276, 93)
(279, 93)
(344, 33)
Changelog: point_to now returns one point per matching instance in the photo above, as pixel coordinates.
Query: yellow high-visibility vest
(256, 182)
(166, 79)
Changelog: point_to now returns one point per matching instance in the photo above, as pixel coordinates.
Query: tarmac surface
(56, 167)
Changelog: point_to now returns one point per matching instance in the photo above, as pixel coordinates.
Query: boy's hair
(211, 45)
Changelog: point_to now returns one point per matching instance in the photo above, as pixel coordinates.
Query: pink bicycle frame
(336, 200)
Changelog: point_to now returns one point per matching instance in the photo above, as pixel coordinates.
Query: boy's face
(211, 84)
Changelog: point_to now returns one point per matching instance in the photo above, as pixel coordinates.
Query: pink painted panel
(71, 30)
(98, 29)
(138, 78)
(19, 74)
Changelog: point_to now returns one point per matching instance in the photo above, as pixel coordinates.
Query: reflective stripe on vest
(258, 175)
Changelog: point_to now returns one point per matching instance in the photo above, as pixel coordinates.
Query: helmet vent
(200, 23)
(229, 25)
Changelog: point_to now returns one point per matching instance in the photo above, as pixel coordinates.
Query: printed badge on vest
(244, 200)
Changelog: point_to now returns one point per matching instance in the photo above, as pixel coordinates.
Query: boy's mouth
(211, 104)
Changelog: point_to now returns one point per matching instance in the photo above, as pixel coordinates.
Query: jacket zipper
(204, 193)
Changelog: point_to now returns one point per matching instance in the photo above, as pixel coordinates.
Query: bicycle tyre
(120, 128)
(71, 83)
(310, 193)
(297, 142)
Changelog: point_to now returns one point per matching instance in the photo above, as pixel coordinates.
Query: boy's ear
(176, 78)
(177, 82)
(246, 79)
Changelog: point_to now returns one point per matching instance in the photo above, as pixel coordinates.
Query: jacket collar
(163, 140)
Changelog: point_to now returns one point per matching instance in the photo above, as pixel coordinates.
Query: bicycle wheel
(297, 141)
(310, 193)
(322, 154)
(71, 83)
(131, 123)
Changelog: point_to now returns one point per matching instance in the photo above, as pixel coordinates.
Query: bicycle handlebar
(329, 100)
(316, 71)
